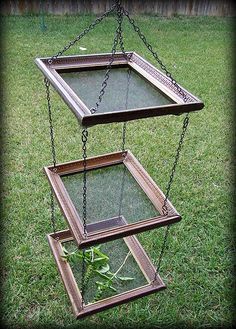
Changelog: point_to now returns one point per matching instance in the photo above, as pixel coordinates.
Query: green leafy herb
(97, 266)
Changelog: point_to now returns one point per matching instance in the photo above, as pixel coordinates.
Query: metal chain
(120, 31)
(85, 131)
(84, 148)
(155, 55)
(82, 34)
(124, 141)
(47, 87)
(106, 77)
(185, 126)
(83, 272)
(84, 138)
(118, 38)
(164, 207)
(53, 219)
(162, 252)
(126, 107)
(123, 136)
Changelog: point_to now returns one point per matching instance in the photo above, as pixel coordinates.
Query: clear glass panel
(87, 85)
(111, 191)
(120, 261)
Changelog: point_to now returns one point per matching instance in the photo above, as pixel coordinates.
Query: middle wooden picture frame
(122, 199)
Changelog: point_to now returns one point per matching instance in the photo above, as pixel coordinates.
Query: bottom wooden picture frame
(139, 257)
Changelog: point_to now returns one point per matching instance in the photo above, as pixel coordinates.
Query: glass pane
(87, 85)
(111, 192)
(120, 261)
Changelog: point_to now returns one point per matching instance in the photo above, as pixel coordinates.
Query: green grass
(197, 266)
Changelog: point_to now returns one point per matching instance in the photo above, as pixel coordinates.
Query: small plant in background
(97, 265)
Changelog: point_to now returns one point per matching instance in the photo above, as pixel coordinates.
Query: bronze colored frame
(55, 241)
(137, 63)
(122, 229)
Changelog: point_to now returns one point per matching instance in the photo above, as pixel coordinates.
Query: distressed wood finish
(147, 71)
(55, 241)
(104, 234)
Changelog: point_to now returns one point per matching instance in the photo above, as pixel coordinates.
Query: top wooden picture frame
(151, 75)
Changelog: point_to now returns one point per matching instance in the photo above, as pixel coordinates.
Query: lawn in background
(197, 265)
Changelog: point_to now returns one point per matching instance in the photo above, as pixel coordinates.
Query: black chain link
(155, 55)
(123, 136)
(120, 31)
(53, 219)
(84, 148)
(106, 76)
(47, 87)
(117, 39)
(164, 207)
(82, 34)
(126, 107)
(124, 141)
(83, 273)
(84, 138)
(163, 247)
(185, 126)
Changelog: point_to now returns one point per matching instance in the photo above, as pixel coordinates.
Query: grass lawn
(197, 266)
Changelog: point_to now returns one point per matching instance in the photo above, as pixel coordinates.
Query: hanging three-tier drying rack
(107, 199)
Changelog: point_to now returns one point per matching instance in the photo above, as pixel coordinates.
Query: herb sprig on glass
(97, 265)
